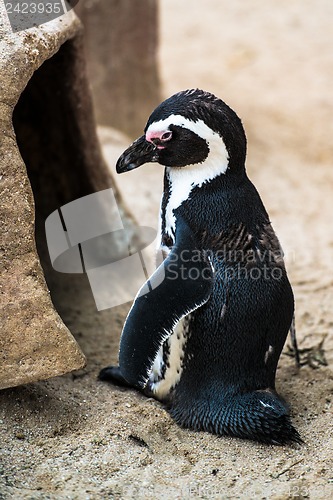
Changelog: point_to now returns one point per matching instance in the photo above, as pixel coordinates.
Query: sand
(76, 438)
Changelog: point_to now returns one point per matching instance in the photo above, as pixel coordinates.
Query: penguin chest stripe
(168, 365)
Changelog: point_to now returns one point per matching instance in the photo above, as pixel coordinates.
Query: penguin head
(192, 129)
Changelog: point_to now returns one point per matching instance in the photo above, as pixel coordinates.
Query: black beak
(140, 152)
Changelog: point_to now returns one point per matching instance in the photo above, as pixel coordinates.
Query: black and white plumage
(207, 340)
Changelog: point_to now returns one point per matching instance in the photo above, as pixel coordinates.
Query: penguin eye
(166, 136)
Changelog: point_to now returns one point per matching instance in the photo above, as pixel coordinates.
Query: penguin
(205, 333)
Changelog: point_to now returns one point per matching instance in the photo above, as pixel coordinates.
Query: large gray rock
(48, 158)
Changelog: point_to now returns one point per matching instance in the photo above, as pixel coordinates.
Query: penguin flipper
(181, 284)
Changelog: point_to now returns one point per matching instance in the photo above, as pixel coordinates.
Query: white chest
(181, 186)
(183, 180)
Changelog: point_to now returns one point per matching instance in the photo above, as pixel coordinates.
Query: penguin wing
(186, 285)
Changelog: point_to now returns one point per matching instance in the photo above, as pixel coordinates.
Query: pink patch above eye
(154, 135)
(159, 136)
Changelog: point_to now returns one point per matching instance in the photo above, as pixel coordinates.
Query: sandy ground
(73, 437)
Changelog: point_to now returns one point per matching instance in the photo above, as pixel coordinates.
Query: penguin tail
(263, 416)
(260, 415)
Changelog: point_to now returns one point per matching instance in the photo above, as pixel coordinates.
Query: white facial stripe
(184, 179)
(214, 140)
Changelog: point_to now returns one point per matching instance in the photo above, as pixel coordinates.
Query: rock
(49, 156)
